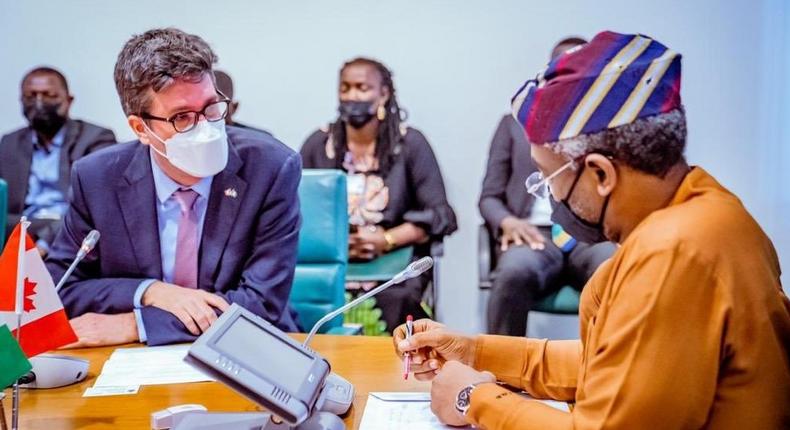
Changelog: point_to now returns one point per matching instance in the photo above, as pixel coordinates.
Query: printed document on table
(149, 366)
(397, 411)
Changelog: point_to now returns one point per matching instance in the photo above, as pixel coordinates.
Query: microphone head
(90, 241)
(418, 267)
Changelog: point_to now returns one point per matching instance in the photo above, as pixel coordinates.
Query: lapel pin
(231, 192)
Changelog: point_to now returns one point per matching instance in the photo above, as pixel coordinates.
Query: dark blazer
(16, 156)
(509, 165)
(247, 252)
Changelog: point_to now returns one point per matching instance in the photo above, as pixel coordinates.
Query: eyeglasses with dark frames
(182, 122)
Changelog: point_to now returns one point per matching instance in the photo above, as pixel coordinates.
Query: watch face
(462, 401)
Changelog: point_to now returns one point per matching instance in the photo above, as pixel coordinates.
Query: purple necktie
(186, 265)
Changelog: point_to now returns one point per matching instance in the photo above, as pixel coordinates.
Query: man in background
(534, 258)
(36, 160)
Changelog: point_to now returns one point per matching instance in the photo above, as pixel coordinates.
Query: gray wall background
(456, 65)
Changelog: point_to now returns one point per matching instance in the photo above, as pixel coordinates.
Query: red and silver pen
(407, 355)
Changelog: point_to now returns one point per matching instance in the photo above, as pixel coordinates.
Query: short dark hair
(46, 70)
(154, 60)
(652, 144)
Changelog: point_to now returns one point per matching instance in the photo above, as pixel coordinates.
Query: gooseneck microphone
(413, 270)
(87, 246)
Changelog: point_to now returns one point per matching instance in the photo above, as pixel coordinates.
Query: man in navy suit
(192, 216)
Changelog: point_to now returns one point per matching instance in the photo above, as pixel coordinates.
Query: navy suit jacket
(247, 251)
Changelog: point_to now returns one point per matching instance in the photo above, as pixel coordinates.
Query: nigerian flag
(13, 362)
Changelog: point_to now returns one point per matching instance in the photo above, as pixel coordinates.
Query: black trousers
(524, 276)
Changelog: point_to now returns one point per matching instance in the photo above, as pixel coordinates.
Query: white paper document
(397, 411)
(148, 366)
(111, 391)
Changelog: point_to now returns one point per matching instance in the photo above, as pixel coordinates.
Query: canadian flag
(45, 325)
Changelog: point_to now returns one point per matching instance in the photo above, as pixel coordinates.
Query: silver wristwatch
(464, 398)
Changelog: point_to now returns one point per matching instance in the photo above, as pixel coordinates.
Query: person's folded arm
(495, 408)
(546, 369)
(407, 234)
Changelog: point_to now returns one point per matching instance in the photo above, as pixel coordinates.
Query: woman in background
(396, 194)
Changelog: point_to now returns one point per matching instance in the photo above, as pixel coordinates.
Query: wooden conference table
(368, 362)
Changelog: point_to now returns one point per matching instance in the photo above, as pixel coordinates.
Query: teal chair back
(383, 268)
(319, 281)
(564, 301)
(3, 211)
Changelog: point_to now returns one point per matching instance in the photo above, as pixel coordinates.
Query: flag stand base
(53, 371)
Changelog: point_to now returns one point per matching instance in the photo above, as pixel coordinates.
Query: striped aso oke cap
(610, 81)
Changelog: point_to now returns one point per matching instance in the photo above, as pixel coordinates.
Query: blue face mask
(576, 226)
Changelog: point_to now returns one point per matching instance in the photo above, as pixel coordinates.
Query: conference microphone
(88, 243)
(53, 371)
(413, 270)
(87, 246)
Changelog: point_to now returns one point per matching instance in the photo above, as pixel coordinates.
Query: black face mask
(576, 226)
(45, 118)
(356, 114)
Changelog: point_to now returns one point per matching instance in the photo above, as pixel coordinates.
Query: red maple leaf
(30, 291)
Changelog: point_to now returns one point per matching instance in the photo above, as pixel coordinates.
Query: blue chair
(319, 281)
(3, 210)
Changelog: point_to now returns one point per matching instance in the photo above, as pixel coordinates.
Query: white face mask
(200, 152)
